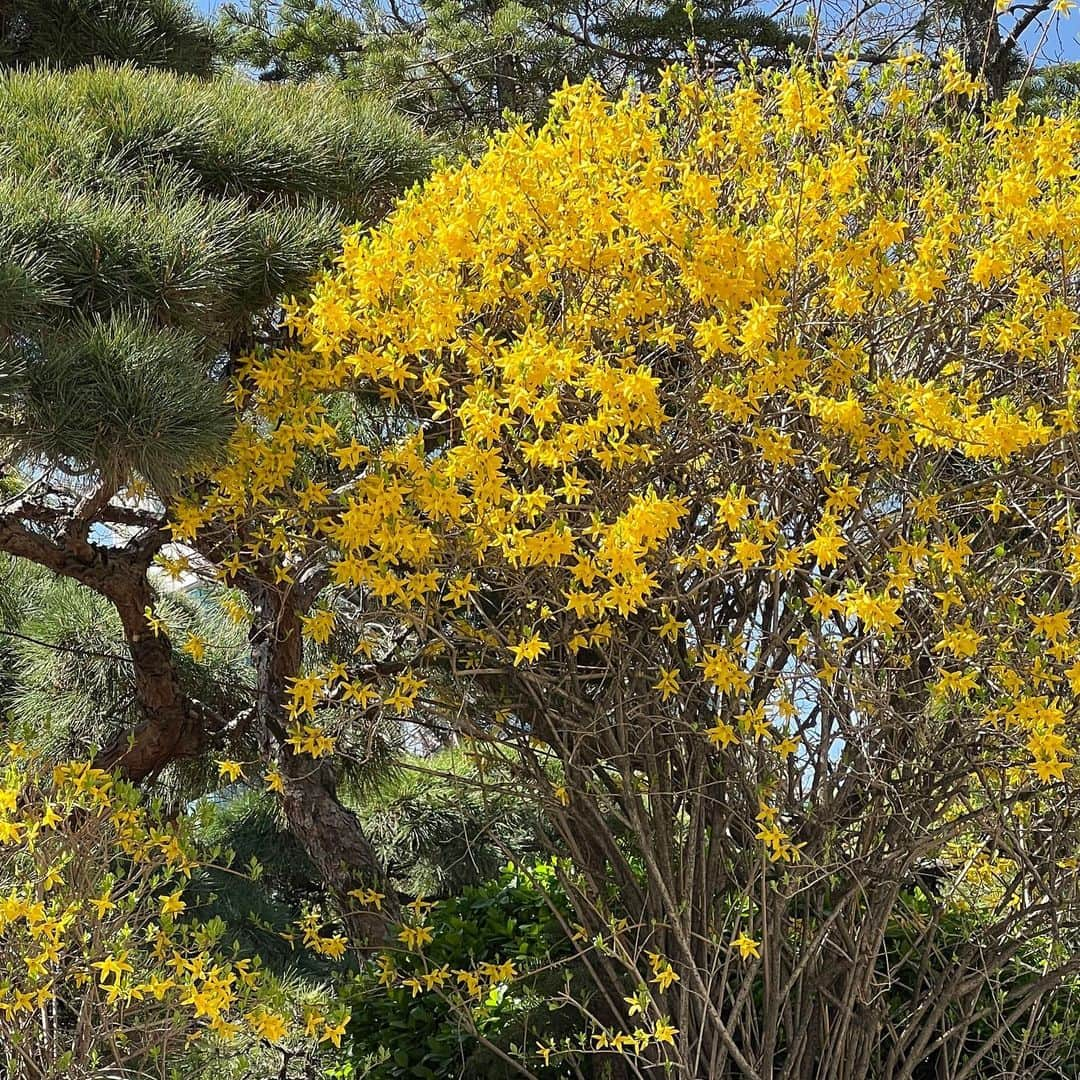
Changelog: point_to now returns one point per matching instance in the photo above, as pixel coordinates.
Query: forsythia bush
(103, 971)
(709, 459)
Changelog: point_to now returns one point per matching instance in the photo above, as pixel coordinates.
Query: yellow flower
(319, 625)
(333, 1033)
(1053, 625)
(195, 646)
(529, 649)
(664, 1032)
(171, 904)
(102, 904)
(787, 746)
(721, 734)
(668, 684)
(368, 897)
(1051, 768)
(826, 546)
(747, 946)
(116, 966)
(267, 1025)
(159, 987)
(156, 625)
(415, 937)
(231, 770)
(670, 628)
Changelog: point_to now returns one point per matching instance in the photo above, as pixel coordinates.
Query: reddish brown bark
(172, 726)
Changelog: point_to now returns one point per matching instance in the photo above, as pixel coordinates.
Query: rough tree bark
(173, 725)
(331, 834)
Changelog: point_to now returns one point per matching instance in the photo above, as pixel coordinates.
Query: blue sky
(1062, 40)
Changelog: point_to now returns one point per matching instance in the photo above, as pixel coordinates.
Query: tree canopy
(148, 225)
(458, 67)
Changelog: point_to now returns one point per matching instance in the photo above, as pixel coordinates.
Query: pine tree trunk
(330, 833)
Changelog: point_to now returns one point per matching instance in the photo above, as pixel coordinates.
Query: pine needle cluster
(148, 224)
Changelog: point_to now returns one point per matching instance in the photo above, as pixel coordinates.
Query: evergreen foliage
(148, 224)
(67, 33)
(459, 64)
(516, 919)
(68, 682)
(441, 825)
(238, 831)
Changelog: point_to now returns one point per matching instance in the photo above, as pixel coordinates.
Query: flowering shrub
(103, 965)
(707, 459)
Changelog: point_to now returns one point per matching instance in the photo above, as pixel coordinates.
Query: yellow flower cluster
(705, 343)
(92, 882)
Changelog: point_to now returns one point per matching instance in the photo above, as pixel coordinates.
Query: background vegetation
(614, 618)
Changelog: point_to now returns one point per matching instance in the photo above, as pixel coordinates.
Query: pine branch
(174, 726)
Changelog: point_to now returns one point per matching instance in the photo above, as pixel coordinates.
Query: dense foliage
(724, 463)
(459, 66)
(501, 944)
(147, 225)
(67, 33)
(464, 67)
(617, 618)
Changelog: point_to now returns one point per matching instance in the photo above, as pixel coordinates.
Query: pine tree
(149, 222)
(457, 65)
(66, 33)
